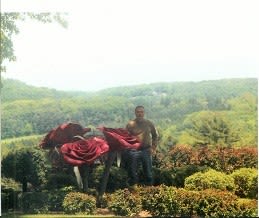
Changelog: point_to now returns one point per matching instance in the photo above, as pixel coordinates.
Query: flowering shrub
(79, 203)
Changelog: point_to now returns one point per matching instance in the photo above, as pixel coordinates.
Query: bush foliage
(246, 181)
(9, 193)
(34, 202)
(79, 203)
(211, 179)
(218, 158)
(123, 202)
(169, 201)
(159, 201)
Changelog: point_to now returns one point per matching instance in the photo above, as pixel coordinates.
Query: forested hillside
(207, 150)
(197, 113)
(17, 90)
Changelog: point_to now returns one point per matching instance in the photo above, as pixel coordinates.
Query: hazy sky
(116, 43)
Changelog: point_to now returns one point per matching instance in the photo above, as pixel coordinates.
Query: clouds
(112, 43)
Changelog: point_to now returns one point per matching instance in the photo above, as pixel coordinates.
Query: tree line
(201, 113)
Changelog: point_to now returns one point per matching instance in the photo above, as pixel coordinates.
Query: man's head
(140, 112)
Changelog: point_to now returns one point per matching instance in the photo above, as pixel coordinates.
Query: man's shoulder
(131, 123)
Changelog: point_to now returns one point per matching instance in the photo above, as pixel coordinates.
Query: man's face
(139, 112)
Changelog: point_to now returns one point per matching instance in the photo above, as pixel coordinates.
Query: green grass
(14, 215)
(99, 213)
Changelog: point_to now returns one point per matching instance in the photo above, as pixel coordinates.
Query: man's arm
(154, 135)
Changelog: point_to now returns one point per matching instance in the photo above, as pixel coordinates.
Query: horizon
(127, 86)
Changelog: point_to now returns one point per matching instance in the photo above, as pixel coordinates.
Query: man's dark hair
(139, 106)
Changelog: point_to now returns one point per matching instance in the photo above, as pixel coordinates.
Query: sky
(121, 43)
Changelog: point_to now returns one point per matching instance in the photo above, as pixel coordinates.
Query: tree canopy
(202, 116)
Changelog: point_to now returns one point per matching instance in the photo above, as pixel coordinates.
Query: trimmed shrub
(216, 203)
(118, 178)
(228, 159)
(43, 202)
(242, 157)
(211, 179)
(160, 200)
(172, 202)
(163, 176)
(9, 193)
(175, 176)
(124, 202)
(148, 198)
(187, 202)
(60, 180)
(181, 173)
(56, 198)
(34, 202)
(246, 182)
(26, 165)
(205, 203)
(218, 158)
(181, 155)
(79, 203)
(247, 207)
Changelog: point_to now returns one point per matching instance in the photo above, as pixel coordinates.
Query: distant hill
(13, 90)
(223, 87)
(29, 110)
(16, 90)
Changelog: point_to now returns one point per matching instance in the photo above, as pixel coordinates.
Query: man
(146, 133)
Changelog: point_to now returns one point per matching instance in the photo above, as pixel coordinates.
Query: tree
(209, 128)
(26, 165)
(244, 117)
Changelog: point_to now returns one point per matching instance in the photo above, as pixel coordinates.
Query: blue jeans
(144, 156)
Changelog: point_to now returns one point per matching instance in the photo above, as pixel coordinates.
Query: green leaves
(79, 203)
(26, 165)
(210, 128)
(211, 179)
(231, 119)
